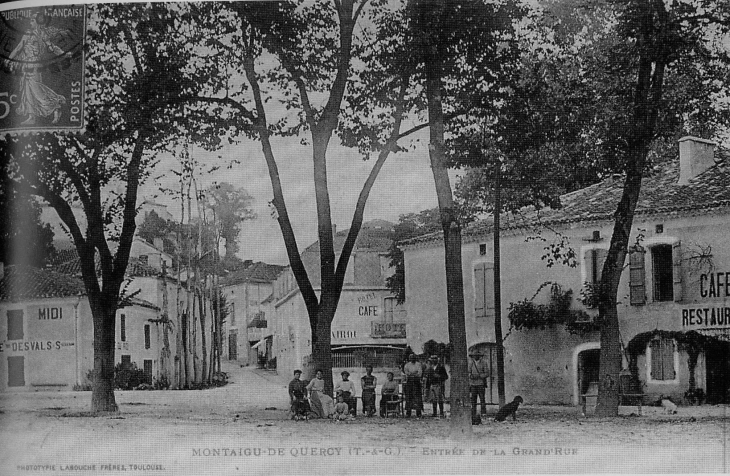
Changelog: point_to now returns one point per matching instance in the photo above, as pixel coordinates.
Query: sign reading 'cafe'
(712, 285)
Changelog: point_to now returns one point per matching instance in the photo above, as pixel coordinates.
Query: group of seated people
(321, 405)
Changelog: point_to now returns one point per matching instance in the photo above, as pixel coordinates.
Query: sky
(404, 185)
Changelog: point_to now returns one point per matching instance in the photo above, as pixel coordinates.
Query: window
(144, 259)
(483, 290)
(388, 307)
(15, 324)
(665, 273)
(126, 361)
(232, 313)
(661, 256)
(661, 354)
(123, 327)
(147, 336)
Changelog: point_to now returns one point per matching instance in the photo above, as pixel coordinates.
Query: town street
(244, 428)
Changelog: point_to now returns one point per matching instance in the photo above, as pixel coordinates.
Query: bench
(638, 396)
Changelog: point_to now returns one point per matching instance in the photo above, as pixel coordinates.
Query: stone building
(674, 294)
(248, 297)
(46, 332)
(369, 326)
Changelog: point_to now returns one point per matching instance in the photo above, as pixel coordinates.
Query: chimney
(695, 156)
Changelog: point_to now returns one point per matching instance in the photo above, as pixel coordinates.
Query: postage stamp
(42, 69)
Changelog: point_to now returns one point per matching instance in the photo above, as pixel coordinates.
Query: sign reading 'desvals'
(712, 285)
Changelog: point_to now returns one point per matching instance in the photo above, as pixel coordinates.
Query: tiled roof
(258, 272)
(660, 196)
(72, 267)
(375, 235)
(24, 282)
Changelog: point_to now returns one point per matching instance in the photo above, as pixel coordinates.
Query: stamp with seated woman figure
(42, 69)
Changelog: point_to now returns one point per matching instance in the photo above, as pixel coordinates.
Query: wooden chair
(394, 407)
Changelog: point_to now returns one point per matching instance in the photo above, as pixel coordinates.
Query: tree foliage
(24, 238)
(409, 226)
(138, 81)
(231, 206)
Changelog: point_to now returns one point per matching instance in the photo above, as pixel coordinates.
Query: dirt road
(234, 430)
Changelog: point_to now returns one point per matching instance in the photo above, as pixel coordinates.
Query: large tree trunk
(647, 100)
(322, 347)
(165, 354)
(460, 411)
(203, 343)
(610, 356)
(104, 318)
(498, 285)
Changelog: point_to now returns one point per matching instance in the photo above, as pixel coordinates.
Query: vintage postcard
(364, 237)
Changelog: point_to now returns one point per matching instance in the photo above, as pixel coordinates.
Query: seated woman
(389, 393)
(347, 388)
(321, 403)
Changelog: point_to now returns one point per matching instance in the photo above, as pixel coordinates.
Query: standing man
(413, 372)
(478, 375)
(435, 376)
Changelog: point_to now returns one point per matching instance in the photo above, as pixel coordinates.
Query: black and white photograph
(364, 237)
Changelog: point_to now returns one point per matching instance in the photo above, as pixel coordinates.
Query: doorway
(717, 361)
(588, 372)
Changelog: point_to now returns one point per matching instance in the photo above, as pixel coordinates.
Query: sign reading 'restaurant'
(706, 317)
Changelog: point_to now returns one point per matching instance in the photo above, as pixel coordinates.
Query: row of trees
(548, 98)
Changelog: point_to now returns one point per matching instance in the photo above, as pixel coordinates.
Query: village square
(365, 237)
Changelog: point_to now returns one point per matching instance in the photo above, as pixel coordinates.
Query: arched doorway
(586, 359)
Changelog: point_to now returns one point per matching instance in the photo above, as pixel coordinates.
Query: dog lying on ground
(668, 406)
(509, 409)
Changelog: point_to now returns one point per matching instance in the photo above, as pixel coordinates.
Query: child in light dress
(342, 410)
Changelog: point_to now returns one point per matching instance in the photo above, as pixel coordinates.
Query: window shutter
(656, 359)
(668, 360)
(677, 270)
(588, 263)
(479, 310)
(489, 290)
(637, 280)
(600, 258)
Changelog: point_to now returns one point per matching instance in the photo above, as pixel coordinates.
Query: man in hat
(434, 378)
(478, 374)
(413, 372)
(347, 388)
